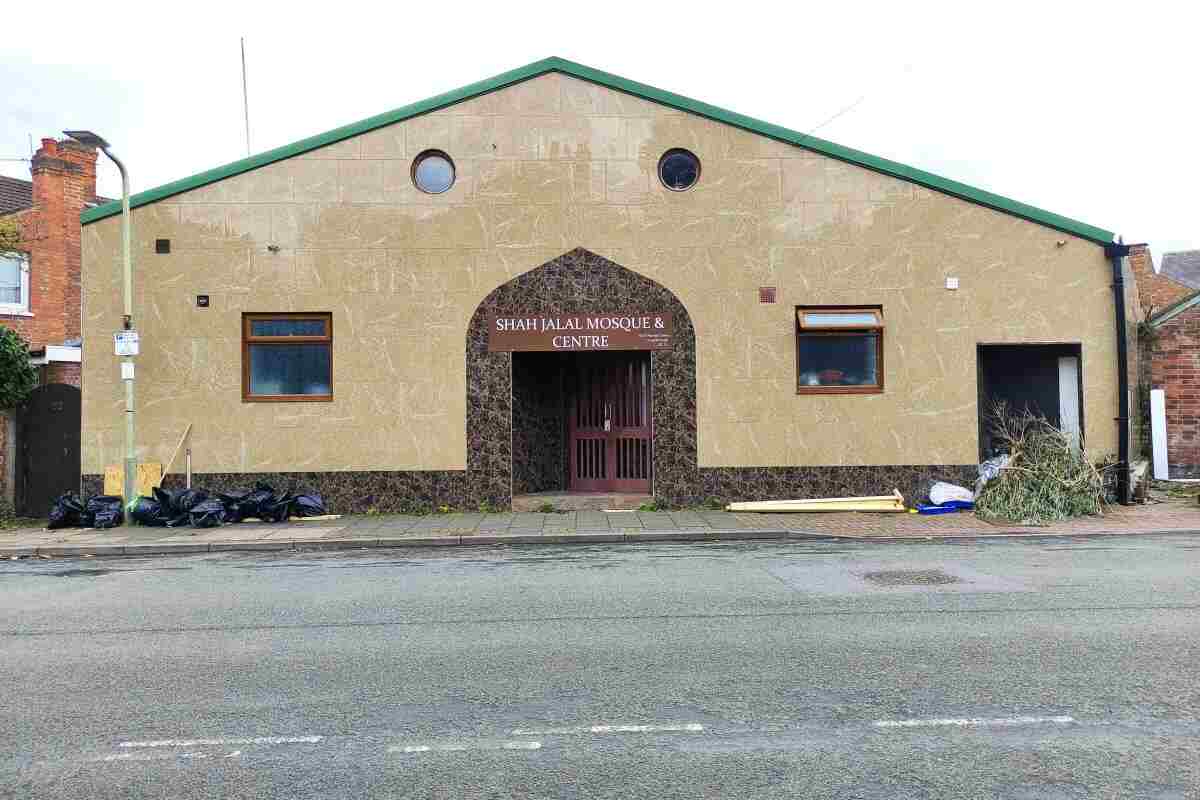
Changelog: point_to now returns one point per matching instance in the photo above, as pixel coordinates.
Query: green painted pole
(127, 373)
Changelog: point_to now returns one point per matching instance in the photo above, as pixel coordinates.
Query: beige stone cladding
(543, 167)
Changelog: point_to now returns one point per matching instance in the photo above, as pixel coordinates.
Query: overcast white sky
(1087, 110)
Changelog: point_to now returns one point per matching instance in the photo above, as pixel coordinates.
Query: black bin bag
(168, 503)
(66, 512)
(233, 502)
(103, 511)
(187, 499)
(257, 502)
(209, 513)
(308, 505)
(277, 509)
(149, 512)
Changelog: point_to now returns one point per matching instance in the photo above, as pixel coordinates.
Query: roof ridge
(557, 64)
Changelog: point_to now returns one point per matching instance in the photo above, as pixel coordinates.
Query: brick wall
(64, 180)
(1175, 368)
(1155, 291)
(61, 373)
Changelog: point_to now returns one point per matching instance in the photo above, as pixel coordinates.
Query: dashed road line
(225, 741)
(971, 722)
(151, 756)
(691, 727)
(458, 747)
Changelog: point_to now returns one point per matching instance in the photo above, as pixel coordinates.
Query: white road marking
(236, 740)
(691, 727)
(970, 722)
(151, 756)
(461, 746)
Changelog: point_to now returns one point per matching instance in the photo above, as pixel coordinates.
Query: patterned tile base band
(728, 484)
(419, 492)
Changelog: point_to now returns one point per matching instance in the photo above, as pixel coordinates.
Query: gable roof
(1174, 310)
(554, 64)
(1182, 267)
(15, 194)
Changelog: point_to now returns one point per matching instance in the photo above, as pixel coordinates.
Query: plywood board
(147, 477)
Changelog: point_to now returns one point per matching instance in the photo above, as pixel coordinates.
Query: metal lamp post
(92, 140)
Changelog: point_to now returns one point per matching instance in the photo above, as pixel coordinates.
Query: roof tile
(1183, 267)
(15, 194)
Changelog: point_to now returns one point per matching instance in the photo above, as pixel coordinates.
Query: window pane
(289, 369)
(678, 169)
(10, 279)
(434, 173)
(838, 360)
(287, 327)
(847, 319)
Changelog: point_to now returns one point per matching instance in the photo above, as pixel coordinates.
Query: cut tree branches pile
(1048, 476)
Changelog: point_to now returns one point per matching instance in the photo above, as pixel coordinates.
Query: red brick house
(40, 300)
(1169, 344)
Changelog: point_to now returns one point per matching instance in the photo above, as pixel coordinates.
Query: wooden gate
(48, 428)
(609, 423)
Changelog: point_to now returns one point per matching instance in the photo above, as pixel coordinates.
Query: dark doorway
(48, 430)
(539, 422)
(1043, 379)
(609, 423)
(582, 422)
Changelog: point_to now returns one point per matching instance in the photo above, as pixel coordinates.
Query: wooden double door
(609, 422)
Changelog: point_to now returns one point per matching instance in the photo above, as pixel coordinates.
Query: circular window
(679, 169)
(433, 172)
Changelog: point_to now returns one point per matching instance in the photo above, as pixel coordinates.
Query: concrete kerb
(488, 539)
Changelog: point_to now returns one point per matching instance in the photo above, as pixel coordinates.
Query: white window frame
(21, 308)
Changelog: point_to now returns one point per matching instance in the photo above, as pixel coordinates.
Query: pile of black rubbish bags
(195, 507)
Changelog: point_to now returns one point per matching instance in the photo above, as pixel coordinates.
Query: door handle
(607, 417)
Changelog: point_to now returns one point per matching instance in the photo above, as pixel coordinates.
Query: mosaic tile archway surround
(580, 282)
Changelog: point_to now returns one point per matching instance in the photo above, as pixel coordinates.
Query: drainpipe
(1116, 252)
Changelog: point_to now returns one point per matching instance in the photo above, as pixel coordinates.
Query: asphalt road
(1016, 669)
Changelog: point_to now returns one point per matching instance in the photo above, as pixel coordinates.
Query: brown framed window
(287, 357)
(839, 350)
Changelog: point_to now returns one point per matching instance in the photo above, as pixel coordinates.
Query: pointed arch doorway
(617, 415)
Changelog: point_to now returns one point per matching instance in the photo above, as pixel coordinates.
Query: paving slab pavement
(1174, 516)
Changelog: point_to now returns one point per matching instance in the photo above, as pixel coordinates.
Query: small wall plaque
(162, 246)
(201, 301)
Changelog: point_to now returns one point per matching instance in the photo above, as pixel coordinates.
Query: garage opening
(1044, 379)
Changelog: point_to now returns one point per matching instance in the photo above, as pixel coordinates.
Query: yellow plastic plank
(880, 503)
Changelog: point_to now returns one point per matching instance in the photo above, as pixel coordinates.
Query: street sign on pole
(126, 343)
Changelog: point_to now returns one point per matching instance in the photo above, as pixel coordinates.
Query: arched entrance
(518, 432)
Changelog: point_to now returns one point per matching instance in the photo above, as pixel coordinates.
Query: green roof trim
(554, 64)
